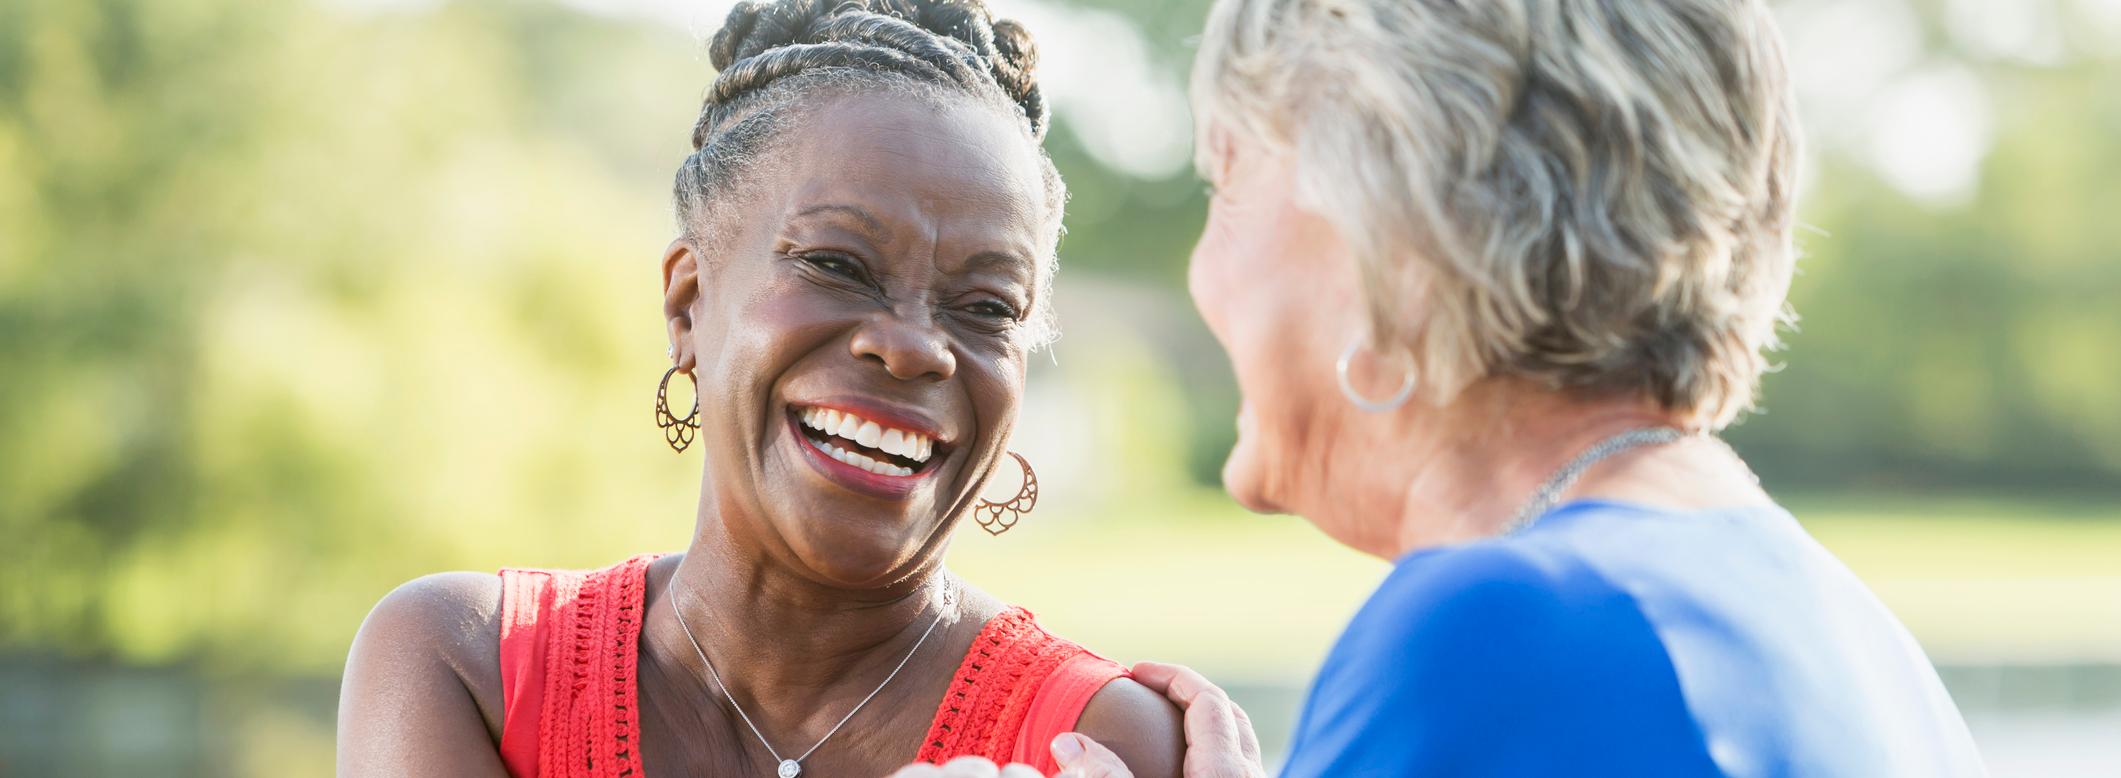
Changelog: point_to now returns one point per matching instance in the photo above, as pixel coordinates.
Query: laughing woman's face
(858, 325)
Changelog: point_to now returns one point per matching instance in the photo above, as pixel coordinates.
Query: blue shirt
(1618, 639)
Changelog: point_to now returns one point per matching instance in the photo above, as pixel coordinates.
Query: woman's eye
(993, 309)
(834, 264)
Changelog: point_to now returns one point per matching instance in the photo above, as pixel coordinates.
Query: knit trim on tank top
(1017, 687)
(993, 691)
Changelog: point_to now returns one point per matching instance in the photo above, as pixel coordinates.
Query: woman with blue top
(1492, 275)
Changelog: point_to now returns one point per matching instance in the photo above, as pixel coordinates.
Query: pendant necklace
(790, 768)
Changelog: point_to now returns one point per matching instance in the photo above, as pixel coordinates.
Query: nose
(909, 347)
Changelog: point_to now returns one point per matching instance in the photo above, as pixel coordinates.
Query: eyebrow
(869, 221)
(999, 260)
(981, 261)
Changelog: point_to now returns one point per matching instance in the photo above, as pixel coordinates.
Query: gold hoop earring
(998, 517)
(676, 432)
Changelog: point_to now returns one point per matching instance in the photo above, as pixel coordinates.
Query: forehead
(945, 165)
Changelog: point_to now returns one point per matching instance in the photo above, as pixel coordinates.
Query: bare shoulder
(422, 690)
(452, 618)
(1143, 728)
(442, 604)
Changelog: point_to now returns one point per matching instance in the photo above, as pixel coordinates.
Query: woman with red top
(866, 252)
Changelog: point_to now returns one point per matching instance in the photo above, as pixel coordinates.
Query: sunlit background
(299, 300)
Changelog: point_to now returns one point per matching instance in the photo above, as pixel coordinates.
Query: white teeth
(865, 463)
(897, 442)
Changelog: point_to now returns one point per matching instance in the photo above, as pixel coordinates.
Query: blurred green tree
(298, 300)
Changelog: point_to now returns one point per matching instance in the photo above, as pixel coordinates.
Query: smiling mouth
(865, 444)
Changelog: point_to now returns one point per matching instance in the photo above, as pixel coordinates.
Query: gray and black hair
(775, 58)
(1596, 196)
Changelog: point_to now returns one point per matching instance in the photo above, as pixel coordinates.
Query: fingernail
(1067, 747)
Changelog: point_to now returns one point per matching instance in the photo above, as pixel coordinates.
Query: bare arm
(409, 704)
(1127, 731)
(1146, 730)
(1219, 742)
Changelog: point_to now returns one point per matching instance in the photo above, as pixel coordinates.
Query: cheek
(1205, 270)
(995, 388)
(1248, 278)
(1221, 278)
(764, 327)
(1250, 282)
(754, 331)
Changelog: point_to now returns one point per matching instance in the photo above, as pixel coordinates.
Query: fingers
(966, 767)
(1155, 675)
(1219, 736)
(1215, 736)
(1248, 737)
(1081, 757)
(1177, 682)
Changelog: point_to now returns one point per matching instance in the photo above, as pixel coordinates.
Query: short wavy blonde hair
(1594, 195)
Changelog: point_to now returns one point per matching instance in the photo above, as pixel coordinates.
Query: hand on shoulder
(1143, 728)
(1128, 730)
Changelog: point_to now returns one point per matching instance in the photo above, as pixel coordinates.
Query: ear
(681, 288)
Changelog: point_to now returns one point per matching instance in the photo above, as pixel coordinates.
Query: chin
(859, 563)
(848, 541)
(1243, 480)
(856, 506)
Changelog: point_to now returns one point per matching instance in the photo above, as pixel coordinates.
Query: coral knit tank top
(570, 645)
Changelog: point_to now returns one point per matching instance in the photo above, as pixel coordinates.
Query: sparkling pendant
(789, 769)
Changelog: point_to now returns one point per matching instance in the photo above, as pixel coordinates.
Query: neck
(1463, 472)
(796, 653)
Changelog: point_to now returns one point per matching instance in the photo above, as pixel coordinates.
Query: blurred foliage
(1972, 345)
(299, 300)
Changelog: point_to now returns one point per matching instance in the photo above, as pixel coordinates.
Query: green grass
(1256, 596)
(1261, 597)
(1982, 580)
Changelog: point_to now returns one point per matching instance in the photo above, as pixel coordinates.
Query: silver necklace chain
(1550, 492)
(790, 768)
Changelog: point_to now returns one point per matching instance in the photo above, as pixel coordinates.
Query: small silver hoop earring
(1347, 386)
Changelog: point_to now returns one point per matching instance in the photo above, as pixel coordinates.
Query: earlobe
(681, 288)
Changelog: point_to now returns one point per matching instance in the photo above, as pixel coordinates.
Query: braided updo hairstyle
(775, 58)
